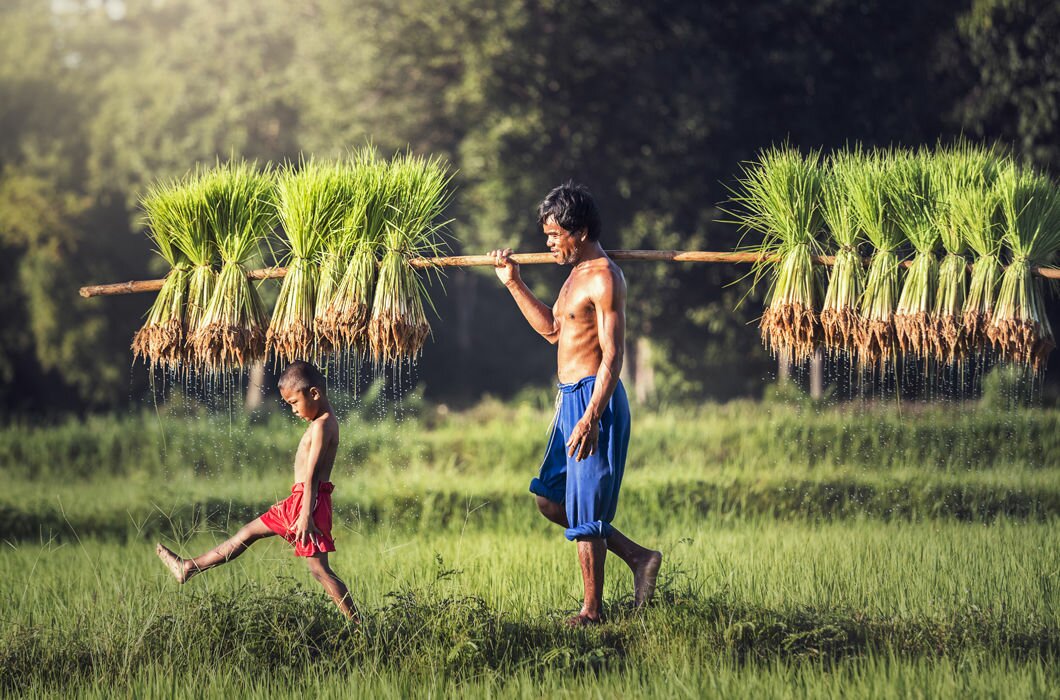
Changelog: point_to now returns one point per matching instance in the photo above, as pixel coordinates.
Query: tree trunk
(643, 370)
(817, 375)
(255, 384)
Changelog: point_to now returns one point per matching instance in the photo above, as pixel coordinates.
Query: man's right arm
(537, 314)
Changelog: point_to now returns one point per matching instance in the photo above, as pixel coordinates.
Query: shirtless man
(582, 471)
(304, 517)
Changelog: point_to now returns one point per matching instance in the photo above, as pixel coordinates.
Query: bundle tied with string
(310, 205)
(160, 342)
(839, 314)
(240, 214)
(868, 187)
(1030, 224)
(193, 236)
(913, 199)
(976, 212)
(779, 196)
(398, 326)
(344, 318)
(953, 172)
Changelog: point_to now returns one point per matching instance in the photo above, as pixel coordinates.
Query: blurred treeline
(653, 105)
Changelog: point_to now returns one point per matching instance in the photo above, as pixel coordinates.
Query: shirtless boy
(580, 477)
(303, 518)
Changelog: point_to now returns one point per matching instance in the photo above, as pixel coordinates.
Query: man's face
(565, 247)
(304, 403)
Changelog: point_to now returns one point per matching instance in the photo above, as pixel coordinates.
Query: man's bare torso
(327, 451)
(579, 352)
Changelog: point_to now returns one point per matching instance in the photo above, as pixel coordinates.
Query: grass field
(821, 552)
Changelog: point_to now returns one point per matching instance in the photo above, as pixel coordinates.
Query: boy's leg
(642, 561)
(184, 569)
(318, 566)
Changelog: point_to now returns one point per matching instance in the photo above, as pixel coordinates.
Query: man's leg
(642, 561)
(318, 566)
(592, 551)
(184, 569)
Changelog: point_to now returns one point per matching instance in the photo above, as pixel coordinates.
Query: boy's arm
(305, 527)
(609, 298)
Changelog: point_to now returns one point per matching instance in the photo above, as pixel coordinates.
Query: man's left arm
(609, 298)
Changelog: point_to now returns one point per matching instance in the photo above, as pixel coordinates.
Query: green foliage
(1014, 65)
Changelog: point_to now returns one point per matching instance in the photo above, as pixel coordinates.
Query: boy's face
(305, 403)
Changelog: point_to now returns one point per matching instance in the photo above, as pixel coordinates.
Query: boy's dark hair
(573, 208)
(300, 376)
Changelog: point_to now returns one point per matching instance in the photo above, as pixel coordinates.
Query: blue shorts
(588, 488)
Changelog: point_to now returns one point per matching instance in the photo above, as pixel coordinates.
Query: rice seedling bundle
(1030, 224)
(343, 318)
(780, 197)
(839, 315)
(310, 205)
(398, 326)
(193, 236)
(337, 246)
(953, 172)
(913, 198)
(977, 207)
(161, 339)
(240, 213)
(869, 187)
(965, 219)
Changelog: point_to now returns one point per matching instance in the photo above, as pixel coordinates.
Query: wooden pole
(695, 256)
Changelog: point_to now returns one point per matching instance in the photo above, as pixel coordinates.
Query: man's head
(302, 387)
(570, 219)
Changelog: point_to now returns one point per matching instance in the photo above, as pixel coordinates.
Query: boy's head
(302, 386)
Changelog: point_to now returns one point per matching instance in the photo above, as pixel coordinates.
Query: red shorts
(283, 516)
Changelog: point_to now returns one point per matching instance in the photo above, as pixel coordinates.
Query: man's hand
(305, 529)
(583, 438)
(507, 271)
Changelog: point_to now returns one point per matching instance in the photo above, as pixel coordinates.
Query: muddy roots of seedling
(394, 337)
(791, 332)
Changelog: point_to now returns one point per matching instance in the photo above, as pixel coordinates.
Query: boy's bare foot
(644, 577)
(175, 564)
(583, 620)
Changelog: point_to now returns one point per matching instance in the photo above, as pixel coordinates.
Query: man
(582, 470)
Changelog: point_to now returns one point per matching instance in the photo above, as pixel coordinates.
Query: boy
(304, 518)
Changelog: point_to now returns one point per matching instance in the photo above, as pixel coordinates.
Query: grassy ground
(810, 552)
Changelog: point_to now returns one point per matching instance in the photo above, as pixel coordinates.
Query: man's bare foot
(176, 565)
(644, 577)
(583, 620)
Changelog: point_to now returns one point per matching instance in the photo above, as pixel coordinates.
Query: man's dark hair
(300, 376)
(573, 208)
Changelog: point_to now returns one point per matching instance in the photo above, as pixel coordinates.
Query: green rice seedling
(913, 195)
(241, 212)
(977, 210)
(399, 326)
(839, 315)
(161, 339)
(1030, 224)
(780, 197)
(968, 206)
(868, 185)
(344, 301)
(193, 236)
(310, 206)
(954, 171)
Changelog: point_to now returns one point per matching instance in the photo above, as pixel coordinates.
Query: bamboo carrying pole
(136, 286)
